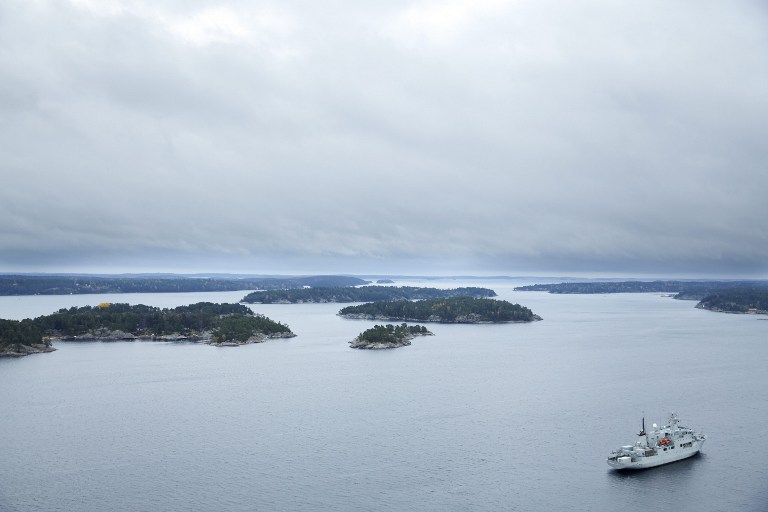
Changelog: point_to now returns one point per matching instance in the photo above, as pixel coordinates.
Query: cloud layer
(485, 136)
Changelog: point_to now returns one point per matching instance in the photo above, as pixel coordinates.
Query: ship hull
(661, 458)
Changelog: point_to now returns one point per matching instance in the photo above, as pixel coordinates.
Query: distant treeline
(225, 321)
(362, 294)
(66, 285)
(452, 310)
(692, 290)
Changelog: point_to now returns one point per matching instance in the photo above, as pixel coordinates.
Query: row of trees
(138, 319)
(362, 294)
(452, 310)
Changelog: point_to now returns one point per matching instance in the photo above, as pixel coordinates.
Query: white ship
(669, 443)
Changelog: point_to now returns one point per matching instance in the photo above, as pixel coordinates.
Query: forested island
(463, 310)
(205, 322)
(388, 336)
(69, 285)
(686, 290)
(360, 294)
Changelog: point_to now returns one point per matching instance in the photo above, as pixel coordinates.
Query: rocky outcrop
(99, 335)
(257, 338)
(196, 337)
(358, 343)
(17, 350)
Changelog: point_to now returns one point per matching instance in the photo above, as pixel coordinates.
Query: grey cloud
(527, 135)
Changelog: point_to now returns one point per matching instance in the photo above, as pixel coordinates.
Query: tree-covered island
(204, 322)
(360, 294)
(459, 310)
(388, 336)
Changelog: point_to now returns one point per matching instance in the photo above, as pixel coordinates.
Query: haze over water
(478, 417)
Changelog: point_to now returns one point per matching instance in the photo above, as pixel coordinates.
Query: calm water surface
(483, 417)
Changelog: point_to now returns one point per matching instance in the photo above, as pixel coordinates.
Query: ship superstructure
(661, 445)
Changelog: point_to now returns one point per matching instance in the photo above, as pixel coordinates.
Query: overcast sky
(423, 137)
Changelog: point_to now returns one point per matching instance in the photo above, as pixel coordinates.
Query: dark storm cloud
(489, 136)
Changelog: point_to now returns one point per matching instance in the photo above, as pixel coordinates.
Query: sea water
(477, 417)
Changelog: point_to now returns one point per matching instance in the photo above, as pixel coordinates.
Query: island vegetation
(68, 285)
(388, 336)
(360, 294)
(215, 324)
(21, 338)
(467, 310)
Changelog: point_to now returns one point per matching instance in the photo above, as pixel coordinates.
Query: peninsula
(360, 294)
(737, 300)
(721, 296)
(388, 336)
(458, 310)
(204, 322)
(683, 289)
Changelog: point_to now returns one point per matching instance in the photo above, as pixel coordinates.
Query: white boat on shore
(661, 445)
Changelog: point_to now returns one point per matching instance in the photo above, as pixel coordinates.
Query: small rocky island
(360, 294)
(205, 322)
(457, 310)
(388, 336)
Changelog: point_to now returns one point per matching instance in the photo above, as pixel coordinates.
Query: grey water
(477, 417)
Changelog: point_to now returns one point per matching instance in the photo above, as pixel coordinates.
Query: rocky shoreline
(24, 350)
(471, 318)
(106, 335)
(715, 309)
(404, 342)
(257, 338)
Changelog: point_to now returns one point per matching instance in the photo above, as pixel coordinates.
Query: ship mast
(642, 435)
